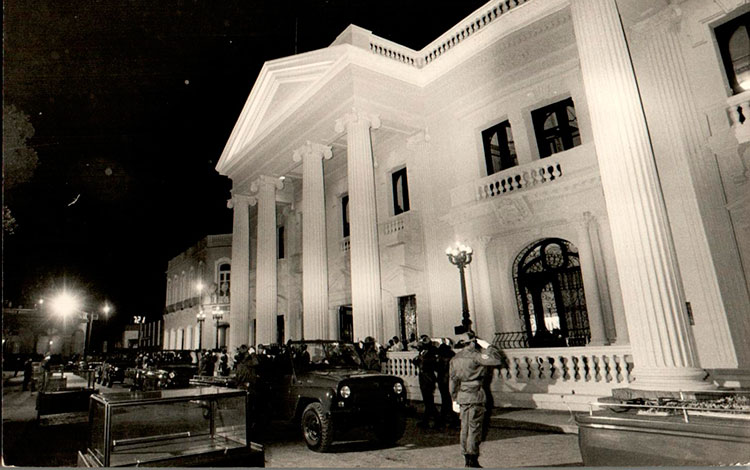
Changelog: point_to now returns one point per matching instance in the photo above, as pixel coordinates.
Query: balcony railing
(473, 23)
(400, 228)
(549, 377)
(738, 108)
(544, 172)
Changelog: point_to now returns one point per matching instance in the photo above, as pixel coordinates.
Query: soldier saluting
(467, 373)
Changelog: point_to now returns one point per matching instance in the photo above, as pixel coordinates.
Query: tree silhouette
(19, 160)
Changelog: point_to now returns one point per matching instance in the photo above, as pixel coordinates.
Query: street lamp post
(201, 317)
(460, 256)
(218, 315)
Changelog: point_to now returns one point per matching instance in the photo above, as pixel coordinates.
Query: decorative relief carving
(512, 210)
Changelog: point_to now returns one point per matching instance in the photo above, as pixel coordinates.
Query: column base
(731, 378)
(675, 380)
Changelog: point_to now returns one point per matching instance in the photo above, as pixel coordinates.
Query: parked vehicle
(160, 376)
(323, 386)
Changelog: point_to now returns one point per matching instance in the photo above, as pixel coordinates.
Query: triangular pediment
(281, 85)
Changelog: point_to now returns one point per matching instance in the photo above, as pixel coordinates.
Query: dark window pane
(400, 191)
(499, 148)
(345, 214)
(556, 127)
(733, 39)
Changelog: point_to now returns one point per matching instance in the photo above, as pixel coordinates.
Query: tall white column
(693, 188)
(365, 255)
(266, 279)
(590, 283)
(314, 246)
(239, 288)
(482, 290)
(663, 349)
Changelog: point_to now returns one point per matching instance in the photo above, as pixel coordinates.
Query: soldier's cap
(425, 339)
(243, 347)
(369, 339)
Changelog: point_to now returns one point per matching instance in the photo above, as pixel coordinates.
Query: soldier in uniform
(427, 362)
(467, 375)
(370, 356)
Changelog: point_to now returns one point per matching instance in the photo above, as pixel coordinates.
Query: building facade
(38, 331)
(197, 300)
(593, 154)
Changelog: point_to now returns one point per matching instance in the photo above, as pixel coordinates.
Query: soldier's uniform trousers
(472, 420)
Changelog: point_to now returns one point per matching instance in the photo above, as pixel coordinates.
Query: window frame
(504, 147)
(563, 130)
(400, 176)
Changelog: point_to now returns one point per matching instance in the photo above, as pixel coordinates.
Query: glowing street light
(65, 304)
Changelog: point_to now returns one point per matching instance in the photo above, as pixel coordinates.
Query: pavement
(517, 438)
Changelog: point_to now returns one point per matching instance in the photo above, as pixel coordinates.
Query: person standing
(370, 356)
(28, 372)
(445, 354)
(468, 369)
(426, 361)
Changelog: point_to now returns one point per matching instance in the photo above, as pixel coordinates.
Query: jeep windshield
(326, 355)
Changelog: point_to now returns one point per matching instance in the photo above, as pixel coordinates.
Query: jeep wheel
(317, 428)
(389, 430)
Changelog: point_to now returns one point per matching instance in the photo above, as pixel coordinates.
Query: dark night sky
(132, 103)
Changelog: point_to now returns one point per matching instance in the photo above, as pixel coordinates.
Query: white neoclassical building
(197, 301)
(592, 153)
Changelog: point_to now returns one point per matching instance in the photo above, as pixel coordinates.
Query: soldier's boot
(467, 460)
(474, 461)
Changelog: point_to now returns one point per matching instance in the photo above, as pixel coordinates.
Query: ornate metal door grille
(550, 296)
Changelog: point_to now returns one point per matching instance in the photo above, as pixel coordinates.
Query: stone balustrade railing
(738, 108)
(545, 377)
(395, 51)
(345, 244)
(470, 25)
(394, 225)
(537, 173)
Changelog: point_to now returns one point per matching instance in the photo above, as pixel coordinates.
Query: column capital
(666, 19)
(357, 116)
(312, 149)
(480, 242)
(265, 180)
(239, 199)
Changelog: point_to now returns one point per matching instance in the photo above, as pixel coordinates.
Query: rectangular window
(556, 127)
(345, 214)
(280, 242)
(346, 323)
(280, 329)
(733, 39)
(499, 148)
(400, 192)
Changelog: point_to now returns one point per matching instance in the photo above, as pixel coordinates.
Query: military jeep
(323, 386)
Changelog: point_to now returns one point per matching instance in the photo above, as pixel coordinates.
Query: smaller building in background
(197, 307)
(29, 331)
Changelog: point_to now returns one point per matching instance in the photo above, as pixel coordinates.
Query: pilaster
(594, 306)
(482, 290)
